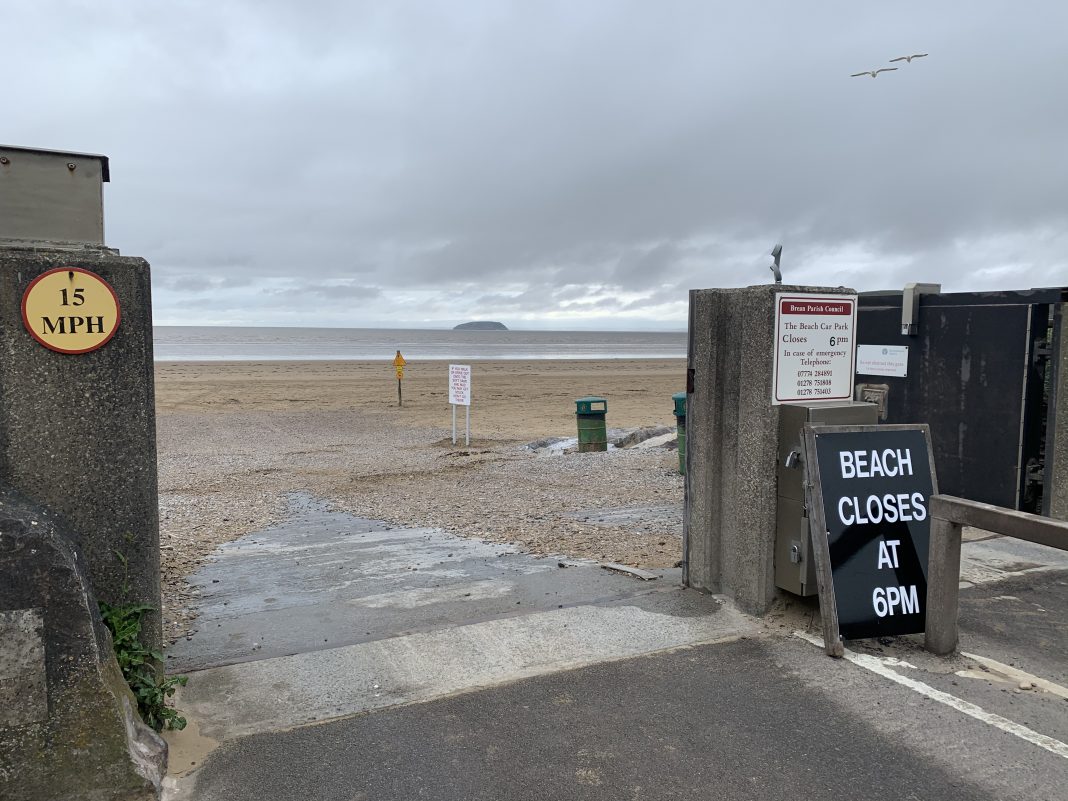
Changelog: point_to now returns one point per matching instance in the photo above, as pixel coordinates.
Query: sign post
(868, 490)
(398, 363)
(460, 395)
(814, 347)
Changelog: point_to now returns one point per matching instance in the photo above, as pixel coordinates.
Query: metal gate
(983, 370)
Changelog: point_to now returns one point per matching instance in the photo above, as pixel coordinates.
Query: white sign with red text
(815, 348)
(460, 384)
(460, 395)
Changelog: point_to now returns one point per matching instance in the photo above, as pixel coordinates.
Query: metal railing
(948, 516)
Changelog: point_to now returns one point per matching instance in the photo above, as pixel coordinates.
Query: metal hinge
(1042, 351)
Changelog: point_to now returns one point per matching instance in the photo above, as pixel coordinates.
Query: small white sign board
(883, 360)
(460, 395)
(460, 384)
(814, 347)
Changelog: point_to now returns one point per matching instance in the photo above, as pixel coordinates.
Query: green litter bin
(592, 435)
(680, 422)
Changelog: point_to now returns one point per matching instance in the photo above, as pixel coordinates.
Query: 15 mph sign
(869, 489)
(70, 310)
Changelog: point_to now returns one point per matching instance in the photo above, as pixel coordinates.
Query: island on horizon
(481, 325)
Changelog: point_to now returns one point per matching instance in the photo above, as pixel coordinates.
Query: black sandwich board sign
(868, 490)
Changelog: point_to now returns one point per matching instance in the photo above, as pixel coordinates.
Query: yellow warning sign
(70, 310)
(399, 363)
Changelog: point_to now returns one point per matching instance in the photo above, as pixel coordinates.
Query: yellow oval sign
(70, 310)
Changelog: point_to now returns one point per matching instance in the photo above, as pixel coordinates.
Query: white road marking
(893, 661)
(1015, 674)
(972, 710)
(982, 676)
(425, 596)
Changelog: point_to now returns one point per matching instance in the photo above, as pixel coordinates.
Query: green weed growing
(141, 667)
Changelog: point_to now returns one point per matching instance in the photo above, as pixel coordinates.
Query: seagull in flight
(908, 59)
(873, 73)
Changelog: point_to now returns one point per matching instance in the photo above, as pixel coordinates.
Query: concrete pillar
(78, 431)
(731, 443)
(943, 590)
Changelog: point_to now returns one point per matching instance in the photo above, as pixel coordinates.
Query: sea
(218, 343)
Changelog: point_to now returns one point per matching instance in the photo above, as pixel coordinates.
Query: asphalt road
(342, 660)
(751, 719)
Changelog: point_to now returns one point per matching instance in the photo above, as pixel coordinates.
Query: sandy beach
(510, 399)
(238, 441)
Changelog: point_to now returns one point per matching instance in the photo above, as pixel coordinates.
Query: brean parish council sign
(814, 347)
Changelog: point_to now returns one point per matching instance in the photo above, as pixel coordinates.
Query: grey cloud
(338, 293)
(187, 283)
(194, 283)
(643, 268)
(667, 295)
(596, 158)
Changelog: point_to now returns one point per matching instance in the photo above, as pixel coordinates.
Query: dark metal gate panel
(973, 376)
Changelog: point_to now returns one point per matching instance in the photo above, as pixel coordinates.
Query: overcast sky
(550, 164)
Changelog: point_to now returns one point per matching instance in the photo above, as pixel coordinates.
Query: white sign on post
(460, 395)
(883, 360)
(814, 347)
(460, 384)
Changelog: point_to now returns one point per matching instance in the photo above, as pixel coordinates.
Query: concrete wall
(78, 432)
(731, 443)
(68, 722)
(1057, 439)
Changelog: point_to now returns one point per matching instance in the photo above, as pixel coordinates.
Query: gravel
(224, 476)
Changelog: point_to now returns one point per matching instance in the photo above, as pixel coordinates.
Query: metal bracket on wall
(910, 306)
(1042, 352)
(874, 393)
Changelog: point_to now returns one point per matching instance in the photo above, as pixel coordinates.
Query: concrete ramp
(328, 615)
(283, 692)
